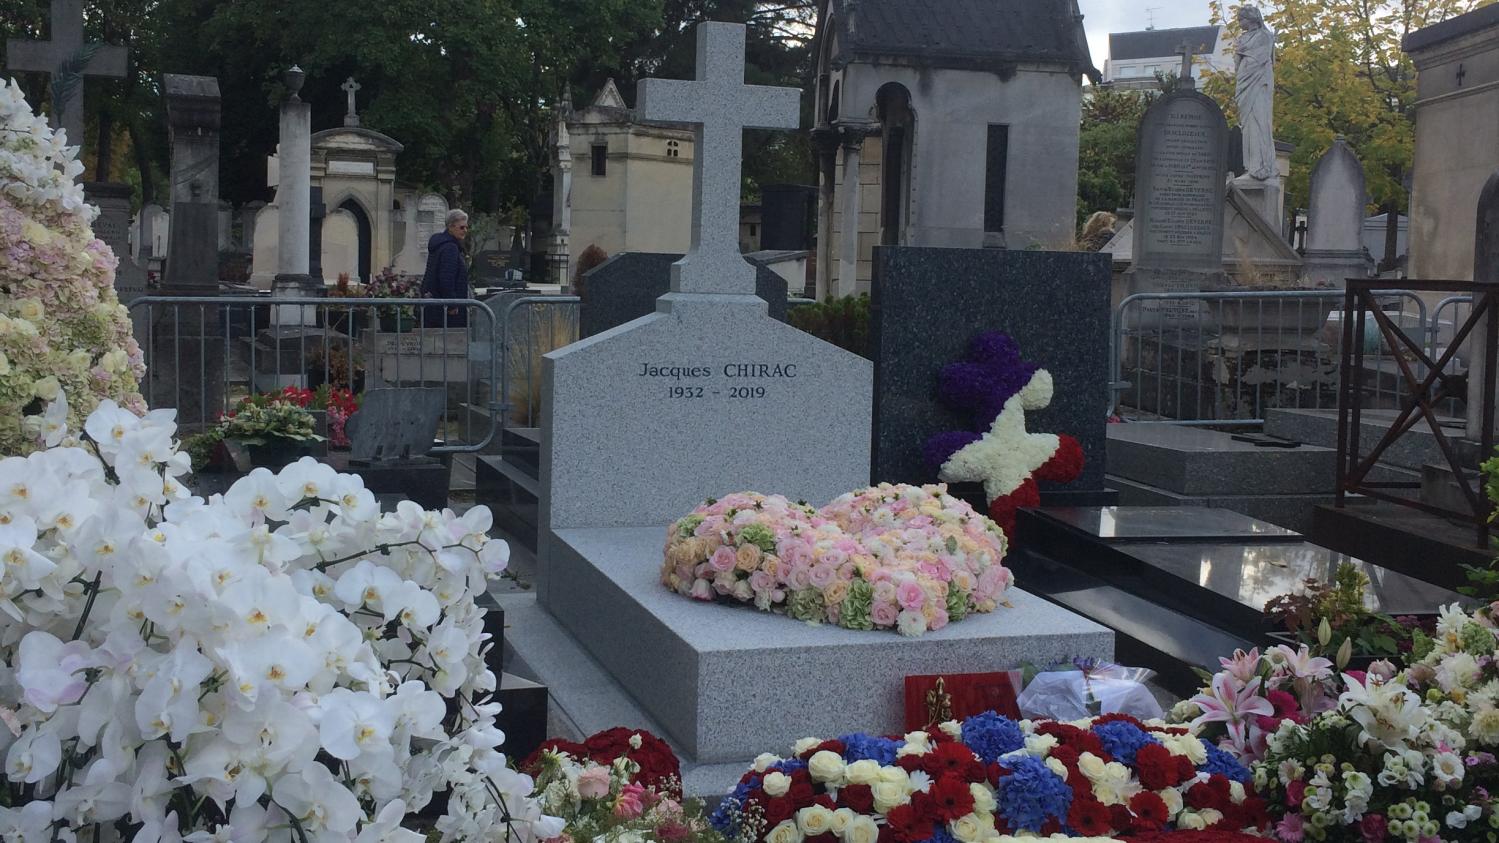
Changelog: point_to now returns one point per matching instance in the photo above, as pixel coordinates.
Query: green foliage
(844, 322)
(1483, 581)
(1340, 605)
(1106, 149)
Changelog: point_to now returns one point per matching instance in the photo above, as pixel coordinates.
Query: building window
(1152, 70)
(600, 159)
(996, 164)
(1128, 70)
(673, 149)
(753, 229)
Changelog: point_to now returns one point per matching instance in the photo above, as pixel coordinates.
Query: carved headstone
(1180, 164)
(67, 59)
(395, 424)
(1335, 220)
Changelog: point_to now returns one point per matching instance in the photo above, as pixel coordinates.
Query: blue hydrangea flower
(1032, 794)
(991, 735)
(1224, 764)
(788, 766)
(1122, 740)
(941, 835)
(863, 747)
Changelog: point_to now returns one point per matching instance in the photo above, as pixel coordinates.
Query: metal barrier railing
(205, 353)
(531, 326)
(1225, 358)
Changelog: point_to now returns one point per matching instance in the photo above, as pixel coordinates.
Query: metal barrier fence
(531, 326)
(206, 353)
(1224, 358)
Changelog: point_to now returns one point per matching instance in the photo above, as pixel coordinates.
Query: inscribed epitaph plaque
(1180, 169)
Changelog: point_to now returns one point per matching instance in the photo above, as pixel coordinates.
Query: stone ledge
(728, 683)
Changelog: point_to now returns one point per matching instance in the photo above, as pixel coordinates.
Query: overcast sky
(1100, 17)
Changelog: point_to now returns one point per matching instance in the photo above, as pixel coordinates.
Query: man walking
(447, 272)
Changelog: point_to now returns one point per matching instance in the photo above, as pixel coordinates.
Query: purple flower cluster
(979, 385)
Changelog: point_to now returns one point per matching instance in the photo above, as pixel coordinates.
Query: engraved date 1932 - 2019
(703, 381)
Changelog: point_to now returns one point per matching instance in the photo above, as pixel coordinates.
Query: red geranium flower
(1149, 808)
(953, 798)
(1089, 818)
(907, 825)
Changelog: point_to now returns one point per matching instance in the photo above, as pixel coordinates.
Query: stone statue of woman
(1255, 92)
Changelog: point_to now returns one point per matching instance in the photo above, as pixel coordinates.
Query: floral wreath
(995, 387)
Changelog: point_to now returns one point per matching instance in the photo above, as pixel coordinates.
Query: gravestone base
(1171, 314)
(1267, 197)
(730, 682)
(1326, 266)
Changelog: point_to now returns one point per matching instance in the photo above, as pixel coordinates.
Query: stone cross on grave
(722, 107)
(1184, 78)
(352, 117)
(67, 59)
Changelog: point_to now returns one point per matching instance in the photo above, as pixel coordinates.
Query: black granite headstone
(786, 212)
(490, 266)
(626, 287)
(928, 305)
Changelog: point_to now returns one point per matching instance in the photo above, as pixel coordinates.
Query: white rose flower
(786, 832)
(967, 828)
(1191, 821)
(889, 794)
(764, 760)
(866, 771)
(776, 784)
(861, 829)
(814, 820)
(826, 767)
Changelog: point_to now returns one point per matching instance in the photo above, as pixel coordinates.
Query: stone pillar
(186, 369)
(826, 142)
(562, 206)
(1485, 270)
(294, 191)
(1335, 220)
(848, 251)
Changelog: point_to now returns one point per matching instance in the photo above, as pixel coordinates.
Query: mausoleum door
(366, 239)
(893, 105)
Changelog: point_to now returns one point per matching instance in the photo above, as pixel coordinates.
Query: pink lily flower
(1235, 704)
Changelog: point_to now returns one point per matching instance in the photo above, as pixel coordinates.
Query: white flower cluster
(37, 167)
(283, 662)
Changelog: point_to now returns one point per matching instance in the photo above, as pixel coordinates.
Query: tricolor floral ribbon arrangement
(908, 558)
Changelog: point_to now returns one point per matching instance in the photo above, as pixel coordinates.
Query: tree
(1106, 148)
(1340, 70)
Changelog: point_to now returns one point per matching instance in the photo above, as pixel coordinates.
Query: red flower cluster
(952, 766)
(659, 767)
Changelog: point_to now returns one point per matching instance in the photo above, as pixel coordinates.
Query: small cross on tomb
(722, 107)
(350, 86)
(1462, 72)
(67, 59)
(1184, 78)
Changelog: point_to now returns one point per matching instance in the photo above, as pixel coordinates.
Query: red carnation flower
(1156, 766)
(858, 798)
(1184, 769)
(1003, 508)
(1050, 827)
(1149, 809)
(1116, 717)
(925, 805)
(953, 797)
(907, 824)
(911, 763)
(1202, 795)
(1066, 465)
(1089, 818)
(1221, 786)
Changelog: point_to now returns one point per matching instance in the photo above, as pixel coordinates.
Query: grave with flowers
(709, 398)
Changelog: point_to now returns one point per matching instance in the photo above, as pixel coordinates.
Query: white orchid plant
(283, 662)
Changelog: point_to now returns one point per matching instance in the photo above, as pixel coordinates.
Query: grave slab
(1119, 524)
(704, 670)
(1294, 512)
(1196, 461)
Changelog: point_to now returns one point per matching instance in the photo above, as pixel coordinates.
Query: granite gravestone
(626, 287)
(1181, 158)
(929, 304)
(113, 227)
(389, 438)
(187, 366)
(1335, 220)
(706, 396)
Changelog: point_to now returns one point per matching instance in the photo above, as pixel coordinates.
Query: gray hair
(456, 215)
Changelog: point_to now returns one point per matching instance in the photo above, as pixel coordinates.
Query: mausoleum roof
(961, 33)
(1161, 43)
(355, 137)
(1451, 28)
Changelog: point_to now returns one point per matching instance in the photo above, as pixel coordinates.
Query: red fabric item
(971, 693)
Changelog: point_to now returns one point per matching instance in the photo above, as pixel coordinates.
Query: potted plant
(389, 285)
(272, 433)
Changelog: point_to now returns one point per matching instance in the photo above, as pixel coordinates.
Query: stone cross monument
(294, 189)
(67, 59)
(351, 118)
(721, 107)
